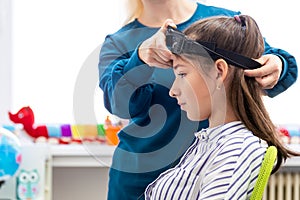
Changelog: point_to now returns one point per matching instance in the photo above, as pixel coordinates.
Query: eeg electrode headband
(178, 44)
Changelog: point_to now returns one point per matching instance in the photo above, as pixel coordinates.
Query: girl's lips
(181, 104)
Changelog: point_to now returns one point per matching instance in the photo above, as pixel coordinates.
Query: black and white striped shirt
(222, 163)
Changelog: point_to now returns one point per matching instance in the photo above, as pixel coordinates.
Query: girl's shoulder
(244, 140)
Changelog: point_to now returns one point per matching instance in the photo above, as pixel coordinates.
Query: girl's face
(191, 88)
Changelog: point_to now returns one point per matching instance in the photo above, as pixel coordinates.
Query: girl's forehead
(195, 62)
(182, 61)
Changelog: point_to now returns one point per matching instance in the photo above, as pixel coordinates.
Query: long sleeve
(124, 79)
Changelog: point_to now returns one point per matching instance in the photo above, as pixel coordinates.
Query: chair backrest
(264, 173)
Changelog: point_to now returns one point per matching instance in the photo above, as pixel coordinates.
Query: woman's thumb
(168, 22)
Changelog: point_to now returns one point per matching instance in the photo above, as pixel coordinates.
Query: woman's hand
(154, 51)
(267, 75)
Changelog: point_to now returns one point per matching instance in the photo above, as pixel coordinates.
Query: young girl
(135, 87)
(225, 159)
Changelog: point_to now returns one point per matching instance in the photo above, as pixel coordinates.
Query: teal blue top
(159, 132)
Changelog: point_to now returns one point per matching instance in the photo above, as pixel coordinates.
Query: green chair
(264, 173)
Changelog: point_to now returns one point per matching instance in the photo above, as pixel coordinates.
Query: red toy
(25, 116)
(284, 135)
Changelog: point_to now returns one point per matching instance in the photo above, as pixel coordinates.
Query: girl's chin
(195, 118)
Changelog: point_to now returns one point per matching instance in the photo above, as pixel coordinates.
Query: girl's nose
(173, 93)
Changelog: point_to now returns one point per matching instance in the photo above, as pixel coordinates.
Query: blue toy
(10, 155)
(28, 184)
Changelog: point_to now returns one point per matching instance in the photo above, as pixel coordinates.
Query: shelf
(294, 161)
(86, 155)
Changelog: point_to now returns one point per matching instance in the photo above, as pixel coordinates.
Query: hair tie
(241, 21)
(237, 18)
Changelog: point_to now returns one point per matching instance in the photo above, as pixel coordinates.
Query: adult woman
(134, 89)
(224, 161)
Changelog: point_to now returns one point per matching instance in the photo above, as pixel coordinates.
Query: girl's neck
(214, 123)
(159, 10)
(222, 116)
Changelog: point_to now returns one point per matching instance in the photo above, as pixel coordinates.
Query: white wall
(53, 38)
(5, 59)
(51, 41)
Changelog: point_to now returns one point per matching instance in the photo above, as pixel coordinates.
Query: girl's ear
(222, 70)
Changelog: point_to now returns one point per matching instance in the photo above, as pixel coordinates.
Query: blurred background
(44, 44)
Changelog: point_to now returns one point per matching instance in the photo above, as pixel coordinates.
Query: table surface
(93, 155)
(85, 155)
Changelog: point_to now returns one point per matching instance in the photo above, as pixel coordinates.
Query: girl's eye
(181, 75)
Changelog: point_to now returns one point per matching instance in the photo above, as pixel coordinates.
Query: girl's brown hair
(241, 34)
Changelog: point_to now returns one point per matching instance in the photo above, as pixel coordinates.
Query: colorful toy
(284, 134)
(10, 155)
(28, 184)
(111, 132)
(63, 133)
(290, 133)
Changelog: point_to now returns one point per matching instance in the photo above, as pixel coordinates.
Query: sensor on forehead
(179, 44)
